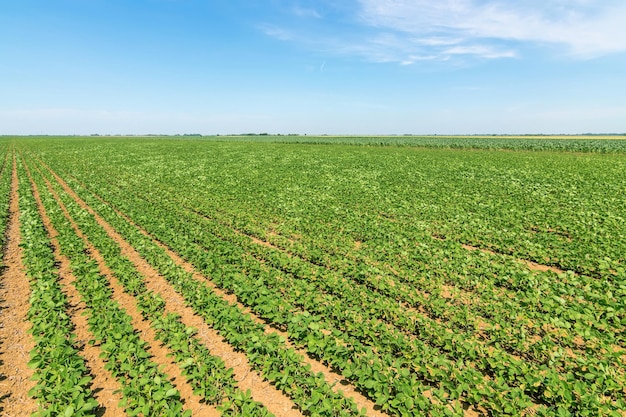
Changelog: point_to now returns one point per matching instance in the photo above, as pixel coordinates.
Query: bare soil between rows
(15, 341)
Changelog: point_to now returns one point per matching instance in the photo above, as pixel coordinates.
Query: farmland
(294, 276)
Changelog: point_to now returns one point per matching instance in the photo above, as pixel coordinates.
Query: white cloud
(585, 28)
(408, 31)
(479, 50)
(306, 12)
(276, 32)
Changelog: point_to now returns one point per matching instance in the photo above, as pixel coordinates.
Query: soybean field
(292, 276)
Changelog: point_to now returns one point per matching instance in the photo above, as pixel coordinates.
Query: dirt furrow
(341, 384)
(104, 384)
(15, 341)
(533, 266)
(158, 352)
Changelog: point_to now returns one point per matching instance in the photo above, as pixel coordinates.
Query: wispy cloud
(277, 32)
(306, 12)
(584, 28)
(409, 31)
(483, 51)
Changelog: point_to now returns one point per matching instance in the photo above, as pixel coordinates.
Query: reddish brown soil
(15, 341)
(533, 266)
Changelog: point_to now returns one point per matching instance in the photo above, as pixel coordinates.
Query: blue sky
(312, 66)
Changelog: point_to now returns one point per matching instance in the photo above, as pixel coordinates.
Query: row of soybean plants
(567, 144)
(207, 374)
(543, 383)
(5, 191)
(557, 379)
(267, 353)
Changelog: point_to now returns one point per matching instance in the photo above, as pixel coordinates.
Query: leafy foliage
(404, 269)
(62, 377)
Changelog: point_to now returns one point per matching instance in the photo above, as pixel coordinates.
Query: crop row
(5, 190)
(570, 144)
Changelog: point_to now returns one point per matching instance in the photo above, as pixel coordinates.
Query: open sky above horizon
(312, 66)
